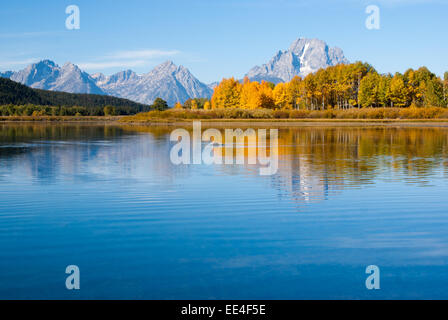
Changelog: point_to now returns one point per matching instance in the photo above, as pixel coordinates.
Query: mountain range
(170, 82)
(47, 75)
(167, 81)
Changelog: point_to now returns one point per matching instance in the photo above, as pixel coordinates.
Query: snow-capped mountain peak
(168, 81)
(48, 75)
(304, 56)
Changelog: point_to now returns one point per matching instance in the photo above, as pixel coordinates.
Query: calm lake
(108, 199)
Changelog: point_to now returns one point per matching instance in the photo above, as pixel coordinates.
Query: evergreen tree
(159, 104)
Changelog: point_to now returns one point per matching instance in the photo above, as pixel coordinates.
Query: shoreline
(51, 119)
(295, 123)
(121, 120)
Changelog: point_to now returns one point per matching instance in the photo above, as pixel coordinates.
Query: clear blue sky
(219, 38)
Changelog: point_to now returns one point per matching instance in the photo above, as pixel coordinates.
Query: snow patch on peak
(47, 63)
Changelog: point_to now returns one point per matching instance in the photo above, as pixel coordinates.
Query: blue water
(108, 200)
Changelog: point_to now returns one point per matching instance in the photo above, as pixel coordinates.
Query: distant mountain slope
(6, 74)
(47, 75)
(15, 93)
(12, 92)
(167, 81)
(304, 56)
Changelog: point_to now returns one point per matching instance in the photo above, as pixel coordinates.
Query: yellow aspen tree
(280, 94)
(227, 94)
(398, 91)
(266, 95)
(178, 105)
(295, 91)
(250, 96)
(412, 85)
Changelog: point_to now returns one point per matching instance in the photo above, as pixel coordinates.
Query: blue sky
(219, 38)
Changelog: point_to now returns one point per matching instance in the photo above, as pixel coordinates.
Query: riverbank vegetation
(29, 110)
(340, 87)
(352, 91)
(351, 114)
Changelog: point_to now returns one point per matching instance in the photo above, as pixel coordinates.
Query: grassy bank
(359, 115)
(59, 118)
(364, 115)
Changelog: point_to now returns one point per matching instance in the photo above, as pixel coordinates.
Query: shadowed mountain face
(305, 56)
(6, 74)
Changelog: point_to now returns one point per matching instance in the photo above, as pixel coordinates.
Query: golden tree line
(342, 86)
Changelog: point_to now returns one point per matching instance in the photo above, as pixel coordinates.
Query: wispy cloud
(127, 59)
(111, 64)
(143, 54)
(16, 63)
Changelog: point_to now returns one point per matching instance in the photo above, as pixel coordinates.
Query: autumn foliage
(339, 87)
(345, 91)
